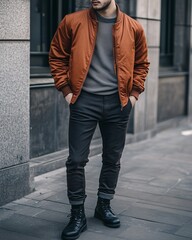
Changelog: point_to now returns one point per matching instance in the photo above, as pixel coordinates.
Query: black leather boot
(104, 212)
(76, 225)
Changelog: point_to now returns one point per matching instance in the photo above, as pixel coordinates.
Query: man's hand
(133, 100)
(69, 97)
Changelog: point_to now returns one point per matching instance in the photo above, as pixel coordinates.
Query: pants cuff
(76, 202)
(105, 195)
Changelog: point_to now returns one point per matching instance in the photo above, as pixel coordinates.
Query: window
(167, 33)
(45, 17)
(128, 6)
(131, 8)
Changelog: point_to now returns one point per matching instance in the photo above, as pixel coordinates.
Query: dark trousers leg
(84, 116)
(82, 124)
(113, 130)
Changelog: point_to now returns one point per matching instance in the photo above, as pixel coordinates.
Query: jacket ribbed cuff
(135, 94)
(66, 90)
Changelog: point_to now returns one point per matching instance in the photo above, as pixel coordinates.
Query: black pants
(88, 110)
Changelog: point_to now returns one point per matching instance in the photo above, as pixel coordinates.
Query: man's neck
(110, 12)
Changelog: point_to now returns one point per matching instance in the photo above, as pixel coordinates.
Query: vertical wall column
(145, 114)
(181, 34)
(14, 99)
(190, 64)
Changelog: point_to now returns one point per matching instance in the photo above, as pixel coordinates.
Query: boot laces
(75, 215)
(106, 207)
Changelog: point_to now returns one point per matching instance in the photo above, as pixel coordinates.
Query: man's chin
(100, 7)
(96, 7)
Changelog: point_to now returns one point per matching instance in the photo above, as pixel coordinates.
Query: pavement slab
(31, 227)
(186, 230)
(5, 213)
(153, 198)
(156, 215)
(9, 235)
(143, 233)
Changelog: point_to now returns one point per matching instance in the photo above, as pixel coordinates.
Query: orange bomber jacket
(73, 45)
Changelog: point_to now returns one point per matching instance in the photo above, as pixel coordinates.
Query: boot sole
(83, 229)
(97, 215)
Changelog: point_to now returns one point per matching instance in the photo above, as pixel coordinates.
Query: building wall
(14, 99)
(189, 85)
(174, 83)
(171, 97)
(47, 124)
(148, 14)
(187, 26)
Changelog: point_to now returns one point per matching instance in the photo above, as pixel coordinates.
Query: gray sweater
(101, 77)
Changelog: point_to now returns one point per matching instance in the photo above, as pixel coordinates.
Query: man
(98, 59)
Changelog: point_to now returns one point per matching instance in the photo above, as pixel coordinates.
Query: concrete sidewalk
(153, 199)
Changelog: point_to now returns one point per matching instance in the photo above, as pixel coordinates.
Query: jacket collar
(93, 15)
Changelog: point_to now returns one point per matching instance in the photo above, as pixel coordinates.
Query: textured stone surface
(142, 233)
(142, 8)
(48, 121)
(154, 9)
(182, 34)
(14, 103)
(153, 33)
(144, 24)
(128, 6)
(14, 20)
(145, 113)
(139, 114)
(171, 94)
(189, 17)
(186, 230)
(14, 183)
(27, 226)
(190, 78)
(5, 234)
(181, 47)
(180, 12)
(152, 85)
(5, 213)
(140, 106)
(155, 215)
(15, 176)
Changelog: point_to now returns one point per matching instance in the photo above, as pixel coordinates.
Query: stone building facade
(34, 116)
